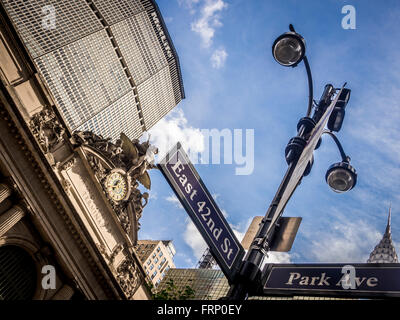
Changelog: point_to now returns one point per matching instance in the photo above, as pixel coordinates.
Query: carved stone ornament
(115, 252)
(128, 277)
(120, 167)
(68, 164)
(102, 249)
(66, 185)
(47, 129)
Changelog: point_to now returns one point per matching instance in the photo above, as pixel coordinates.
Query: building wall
(52, 204)
(110, 65)
(156, 257)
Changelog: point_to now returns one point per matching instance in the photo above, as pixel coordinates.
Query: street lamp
(289, 50)
(341, 176)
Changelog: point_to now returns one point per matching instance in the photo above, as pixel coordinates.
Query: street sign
(283, 237)
(339, 280)
(303, 161)
(202, 209)
(285, 234)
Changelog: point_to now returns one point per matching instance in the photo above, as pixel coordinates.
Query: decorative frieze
(129, 277)
(69, 164)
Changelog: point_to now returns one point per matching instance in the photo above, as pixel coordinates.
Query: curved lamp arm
(309, 78)
(310, 86)
(345, 158)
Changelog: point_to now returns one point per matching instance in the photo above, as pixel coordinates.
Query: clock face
(117, 186)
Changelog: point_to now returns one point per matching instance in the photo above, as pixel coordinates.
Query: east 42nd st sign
(204, 212)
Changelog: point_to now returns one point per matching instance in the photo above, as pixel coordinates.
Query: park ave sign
(364, 280)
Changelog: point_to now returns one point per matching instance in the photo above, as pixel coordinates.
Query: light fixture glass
(341, 177)
(289, 49)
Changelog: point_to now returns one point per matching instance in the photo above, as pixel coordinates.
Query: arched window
(18, 274)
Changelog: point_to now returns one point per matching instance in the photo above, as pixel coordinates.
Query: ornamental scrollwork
(46, 128)
(128, 277)
(132, 157)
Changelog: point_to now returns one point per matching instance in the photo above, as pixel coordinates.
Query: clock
(117, 185)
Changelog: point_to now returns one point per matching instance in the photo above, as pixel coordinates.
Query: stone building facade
(56, 210)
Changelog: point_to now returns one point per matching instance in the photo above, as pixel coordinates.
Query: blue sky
(232, 82)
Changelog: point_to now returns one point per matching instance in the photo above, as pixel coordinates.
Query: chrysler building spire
(384, 252)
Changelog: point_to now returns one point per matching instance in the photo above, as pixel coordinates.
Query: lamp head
(341, 177)
(289, 49)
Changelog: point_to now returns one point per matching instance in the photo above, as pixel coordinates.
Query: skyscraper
(384, 252)
(110, 65)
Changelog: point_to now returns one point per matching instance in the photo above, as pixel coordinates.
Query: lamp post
(289, 50)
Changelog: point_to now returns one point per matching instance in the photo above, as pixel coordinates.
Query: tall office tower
(110, 65)
(384, 251)
(156, 257)
(206, 261)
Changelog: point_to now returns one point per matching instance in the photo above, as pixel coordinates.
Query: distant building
(208, 284)
(156, 257)
(211, 284)
(111, 66)
(207, 261)
(384, 251)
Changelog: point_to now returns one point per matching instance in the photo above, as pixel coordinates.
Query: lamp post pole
(249, 276)
(310, 129)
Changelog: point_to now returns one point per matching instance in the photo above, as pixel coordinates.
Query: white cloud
(215, 196)
(189, 262)
(168, 19)
(218, 58)
(194, 240)
(174, 200)
(346, 241)
(172, 129)
(153, 195)
(377, 122)
(276, 257)
(209, 20)
(189, 4)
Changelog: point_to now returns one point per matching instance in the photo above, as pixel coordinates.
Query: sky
(232, 82)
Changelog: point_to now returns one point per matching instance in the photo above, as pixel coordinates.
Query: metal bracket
(261, 244)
